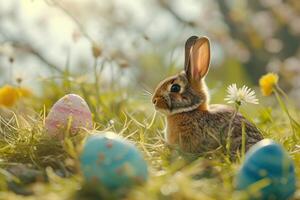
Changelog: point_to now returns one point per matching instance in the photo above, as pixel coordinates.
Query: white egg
(71, 110)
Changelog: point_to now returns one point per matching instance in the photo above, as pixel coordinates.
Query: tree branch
(168, 8)
(37, 54)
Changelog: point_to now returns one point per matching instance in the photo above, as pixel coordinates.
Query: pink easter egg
(69, 109)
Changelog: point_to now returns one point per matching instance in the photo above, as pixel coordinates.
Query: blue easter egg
(267, 173)
(112, 161)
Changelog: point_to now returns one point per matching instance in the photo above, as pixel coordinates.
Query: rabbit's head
(186, 91)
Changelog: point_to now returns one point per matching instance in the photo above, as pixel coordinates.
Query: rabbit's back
(201, 131)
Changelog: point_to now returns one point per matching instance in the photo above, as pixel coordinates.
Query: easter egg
(112, 161)
(267, 173)
(70, 112)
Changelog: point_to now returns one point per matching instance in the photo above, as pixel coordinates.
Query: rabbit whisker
(147, 93)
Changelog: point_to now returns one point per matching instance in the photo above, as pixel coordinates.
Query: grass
(35, 166)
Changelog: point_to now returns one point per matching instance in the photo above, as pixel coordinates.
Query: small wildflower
(9, 95)
(123, 63)
(240, 95)
(97, 51)
(11, 59)
(146, 37)
(267, 82)
(19, 80)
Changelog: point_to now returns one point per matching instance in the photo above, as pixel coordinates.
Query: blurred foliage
(137, 39)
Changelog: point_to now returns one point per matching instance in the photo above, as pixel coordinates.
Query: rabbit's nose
(154, 100)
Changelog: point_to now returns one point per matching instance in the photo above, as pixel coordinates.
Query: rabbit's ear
(187, 59)
(199, 59)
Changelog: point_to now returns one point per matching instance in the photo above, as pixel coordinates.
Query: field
(51, 170)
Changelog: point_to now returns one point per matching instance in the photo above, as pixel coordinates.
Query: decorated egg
(70, 112)
(267, 173)
(112, 162)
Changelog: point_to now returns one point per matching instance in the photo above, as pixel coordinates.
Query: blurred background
(135, 44)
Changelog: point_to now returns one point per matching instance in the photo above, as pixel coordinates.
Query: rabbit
(192, 124)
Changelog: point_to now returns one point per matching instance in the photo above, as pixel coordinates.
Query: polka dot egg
(267, 173)
(112, 161)
(69, 109)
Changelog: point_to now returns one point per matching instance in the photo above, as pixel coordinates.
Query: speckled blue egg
(268, 164)
(112, 161)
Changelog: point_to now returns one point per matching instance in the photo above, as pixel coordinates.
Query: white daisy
(240, 95)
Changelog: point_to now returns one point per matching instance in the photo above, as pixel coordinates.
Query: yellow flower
(9, 95)
(267, 83)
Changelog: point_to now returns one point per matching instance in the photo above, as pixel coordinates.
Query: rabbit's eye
(175, 88)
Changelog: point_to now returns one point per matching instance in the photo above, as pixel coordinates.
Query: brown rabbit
(192, 124)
